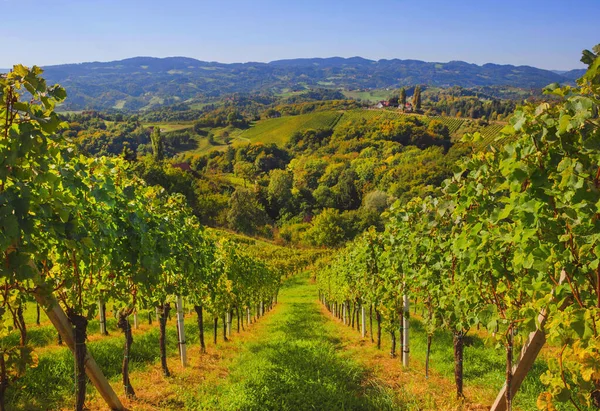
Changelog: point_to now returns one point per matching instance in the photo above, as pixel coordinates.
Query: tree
(245, 170)
(403, 97)
(376, 200)
(279, 191)
(158, 148)
(272, 113)
(246, 213)
(348, 197)
(439, 129)
(417, 98)
(327, 229)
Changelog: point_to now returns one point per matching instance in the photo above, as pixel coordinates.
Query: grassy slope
(279, 130)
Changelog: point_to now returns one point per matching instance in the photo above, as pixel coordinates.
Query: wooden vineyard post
(102, 317)
(344, 312)
(405, 326)
(228, 319)
(181, 332)
(60, 321)
(135, 320)
(363, 323)
(529, 353)
(248, 315)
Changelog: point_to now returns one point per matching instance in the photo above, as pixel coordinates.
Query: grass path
(296, 357)
(291, 359)
(298, 364)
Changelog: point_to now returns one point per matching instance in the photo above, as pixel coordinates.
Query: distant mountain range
(142, 82)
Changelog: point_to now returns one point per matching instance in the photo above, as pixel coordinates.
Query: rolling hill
(142, 82)
(279, 130)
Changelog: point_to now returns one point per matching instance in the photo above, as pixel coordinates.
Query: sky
(548, 34)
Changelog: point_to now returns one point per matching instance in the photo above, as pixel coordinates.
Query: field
(490, 133)
(49, 385)
(279, 130)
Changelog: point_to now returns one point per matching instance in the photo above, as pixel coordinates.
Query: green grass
(279, 130)
(484, 365)
(297, 358)
(200, 106)
(235, 180)
(286, 92)
(294, 363)
(50, 385)
(120, 104)
(297, 364)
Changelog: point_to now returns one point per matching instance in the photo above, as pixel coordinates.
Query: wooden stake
(102, 317)
(405, 326)
(60, 321)
(363, 325)
(181, 332)
(529, 353)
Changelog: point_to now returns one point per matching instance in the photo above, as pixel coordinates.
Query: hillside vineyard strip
(279, 130)
(82, 230)
(510, 243)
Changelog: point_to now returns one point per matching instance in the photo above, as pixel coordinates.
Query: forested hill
(134, 83)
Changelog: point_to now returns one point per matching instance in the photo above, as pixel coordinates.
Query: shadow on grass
(483, 364)
(50, 385)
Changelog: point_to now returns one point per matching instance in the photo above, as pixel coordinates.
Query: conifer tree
(417, 98)
(403, 97)
(158, 148)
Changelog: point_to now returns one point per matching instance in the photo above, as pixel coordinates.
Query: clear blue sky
(543, 33)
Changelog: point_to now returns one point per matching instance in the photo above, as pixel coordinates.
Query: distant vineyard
(489, 134)
(369, 114)
(452, 123)
(286, 260)
(279, 130)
